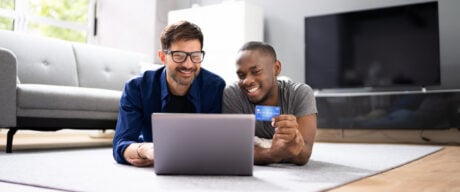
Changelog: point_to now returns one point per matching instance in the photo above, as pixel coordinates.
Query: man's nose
(248, 80)
(188, 62)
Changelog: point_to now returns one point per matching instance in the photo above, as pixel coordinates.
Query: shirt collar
(164, 85)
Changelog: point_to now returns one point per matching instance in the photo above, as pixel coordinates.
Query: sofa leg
(9, 140)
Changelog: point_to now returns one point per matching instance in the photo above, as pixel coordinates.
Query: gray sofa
(48, 84)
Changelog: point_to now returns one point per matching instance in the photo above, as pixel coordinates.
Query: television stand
(417, 109)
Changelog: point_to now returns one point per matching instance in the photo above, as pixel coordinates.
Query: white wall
(449, 29)
(284, 29)
(128, 25)
(225, 27)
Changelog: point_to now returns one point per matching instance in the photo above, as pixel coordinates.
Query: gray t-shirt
(295, 98)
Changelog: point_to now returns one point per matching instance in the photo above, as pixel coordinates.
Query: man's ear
(162, 56)
(277, 67)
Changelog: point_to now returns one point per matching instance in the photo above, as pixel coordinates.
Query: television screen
(387, 47)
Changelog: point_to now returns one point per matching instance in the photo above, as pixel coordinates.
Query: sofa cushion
(34, 96)
(41, 60)
(103, 67)
(82, 116)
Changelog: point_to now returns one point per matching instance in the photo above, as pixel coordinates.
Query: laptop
(203, 144)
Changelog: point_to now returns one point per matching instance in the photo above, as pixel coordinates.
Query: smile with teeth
(252, 90)
(186, 71)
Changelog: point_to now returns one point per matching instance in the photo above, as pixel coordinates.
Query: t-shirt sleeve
(304, 101)
(231, 102)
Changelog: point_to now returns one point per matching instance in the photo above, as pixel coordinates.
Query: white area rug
(331, 165)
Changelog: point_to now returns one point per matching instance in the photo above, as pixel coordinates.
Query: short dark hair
(182, 30)
(264, 48)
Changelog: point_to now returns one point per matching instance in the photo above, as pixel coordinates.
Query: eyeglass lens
(179, 56)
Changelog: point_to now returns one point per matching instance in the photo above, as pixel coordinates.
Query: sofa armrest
(8, 80)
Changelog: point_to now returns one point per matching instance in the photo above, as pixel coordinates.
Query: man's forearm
(265, 153)
(302, 158)
(262, 156)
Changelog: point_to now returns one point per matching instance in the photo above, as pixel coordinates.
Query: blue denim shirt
(149, 93)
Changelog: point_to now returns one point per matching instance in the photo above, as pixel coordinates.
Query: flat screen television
(393, 47)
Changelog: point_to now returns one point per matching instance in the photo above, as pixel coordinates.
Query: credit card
(266, 113)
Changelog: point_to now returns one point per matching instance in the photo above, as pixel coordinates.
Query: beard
(265, 96)
(184, 81)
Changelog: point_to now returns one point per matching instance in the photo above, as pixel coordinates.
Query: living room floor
(439, 171)
(66, 138)
(436, 172)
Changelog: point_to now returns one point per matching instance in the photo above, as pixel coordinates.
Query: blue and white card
(266, 113)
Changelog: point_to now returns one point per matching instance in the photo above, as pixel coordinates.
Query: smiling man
(181, 86)
(289, 137)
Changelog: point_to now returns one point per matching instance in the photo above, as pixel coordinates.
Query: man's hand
(287, 141)
(291, 143)
(140, 154)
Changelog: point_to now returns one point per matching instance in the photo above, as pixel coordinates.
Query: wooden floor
(439, 171)
(36, 140)
(436, 172)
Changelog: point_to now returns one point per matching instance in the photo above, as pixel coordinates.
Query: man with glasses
(181, 86)
(289, 137)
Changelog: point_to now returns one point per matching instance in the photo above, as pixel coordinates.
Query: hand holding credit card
(266, 113)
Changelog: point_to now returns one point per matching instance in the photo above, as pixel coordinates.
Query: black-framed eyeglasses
(181, 56)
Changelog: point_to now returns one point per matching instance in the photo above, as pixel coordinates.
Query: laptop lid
(203, 144)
